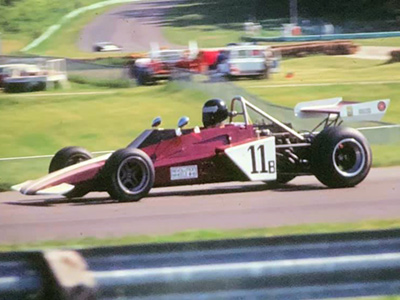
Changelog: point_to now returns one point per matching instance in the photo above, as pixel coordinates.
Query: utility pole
(293, 12)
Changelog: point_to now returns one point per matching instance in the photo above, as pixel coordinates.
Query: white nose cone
(18, 187)
(60, 189)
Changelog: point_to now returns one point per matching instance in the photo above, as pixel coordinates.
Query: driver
(214, 113)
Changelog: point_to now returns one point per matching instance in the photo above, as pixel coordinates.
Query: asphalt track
(215, 206)
(132, 26)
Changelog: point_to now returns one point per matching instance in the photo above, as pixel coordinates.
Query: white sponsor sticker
(257, 159)
(184, 172)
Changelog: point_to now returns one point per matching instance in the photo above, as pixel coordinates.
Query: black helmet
(214, 112)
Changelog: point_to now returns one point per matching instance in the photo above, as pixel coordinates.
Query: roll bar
(244, 104)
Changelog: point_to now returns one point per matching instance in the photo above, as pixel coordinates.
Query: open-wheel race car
(239, 150)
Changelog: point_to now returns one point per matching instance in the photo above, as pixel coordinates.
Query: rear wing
(346, 110)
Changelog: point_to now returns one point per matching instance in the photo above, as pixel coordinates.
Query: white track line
(108, 151)
(43, 156)
(52, 29)
(63, 94)
(323, 84)
(379, 127)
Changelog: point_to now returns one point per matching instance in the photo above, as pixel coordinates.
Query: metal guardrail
(293, 267)
(324, 37)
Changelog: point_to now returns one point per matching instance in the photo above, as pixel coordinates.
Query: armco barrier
(294, 267)
(324, 37)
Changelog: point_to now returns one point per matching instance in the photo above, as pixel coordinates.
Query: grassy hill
(92, 117)
(21, 21)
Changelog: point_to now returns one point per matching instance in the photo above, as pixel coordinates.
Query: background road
(132, 26)
(215, 206)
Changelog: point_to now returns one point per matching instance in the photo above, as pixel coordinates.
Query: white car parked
(249, 61)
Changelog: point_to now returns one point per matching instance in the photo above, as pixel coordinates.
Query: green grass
(386, 155)
(330, 69)
(112, 61)
(12, 43)
(211, 23)
(64, 42)
(17, 171)
(110, 83)
(25, 20)
(387, 42)
(42, 125)
(327, 69)
(376, 298)
(198, 235)
(323, 68)
(290, 96)
(204, 35)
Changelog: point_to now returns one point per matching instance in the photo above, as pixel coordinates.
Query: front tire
(69, 156)
(144, 77)
(129, 175)
(340, 157)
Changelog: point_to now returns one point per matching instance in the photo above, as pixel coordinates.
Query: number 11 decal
(271, 163)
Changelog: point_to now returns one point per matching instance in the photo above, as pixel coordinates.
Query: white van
(250, 61)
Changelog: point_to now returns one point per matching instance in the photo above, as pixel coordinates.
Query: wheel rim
(76, 158)
(348, 157)
(133, 175)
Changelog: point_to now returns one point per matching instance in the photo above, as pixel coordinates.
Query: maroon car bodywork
(205, 149)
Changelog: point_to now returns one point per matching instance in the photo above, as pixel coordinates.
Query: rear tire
(340, 157)
(129, 174)
(284, 172)
(69, 156)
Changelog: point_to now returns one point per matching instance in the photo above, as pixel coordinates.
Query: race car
(158, 66)
(106, 47)
(228, 147)
(248, 61)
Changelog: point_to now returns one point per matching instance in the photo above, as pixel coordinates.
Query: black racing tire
(139, 79)
(39, 86)
(69, 156)
(133, 70)
(129, 175)
(144, 77)
(340, 157)
(229, 77)
(284, 166)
